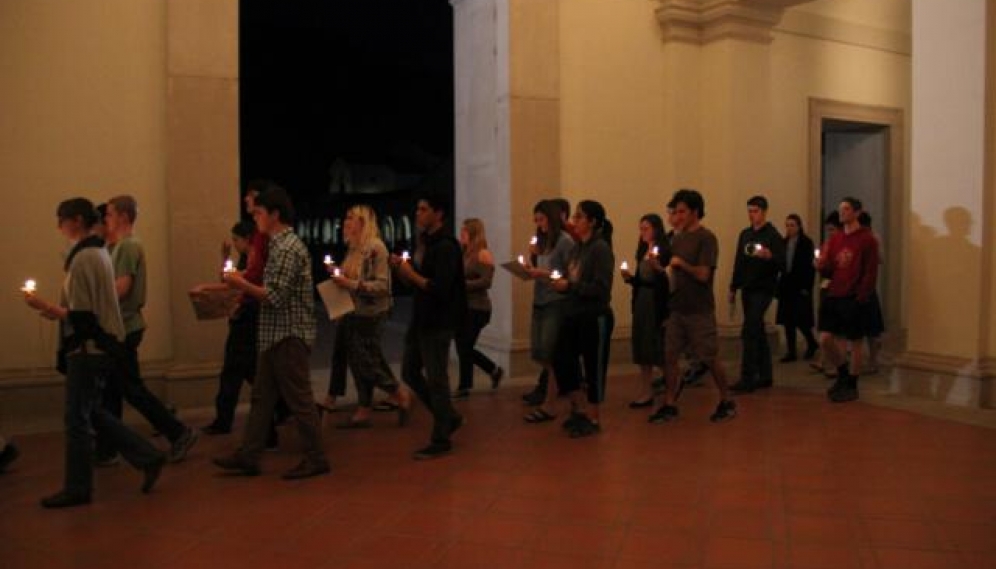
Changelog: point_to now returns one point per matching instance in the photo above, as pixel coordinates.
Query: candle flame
(29, 286)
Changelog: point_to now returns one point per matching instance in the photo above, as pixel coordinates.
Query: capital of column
(705, 21)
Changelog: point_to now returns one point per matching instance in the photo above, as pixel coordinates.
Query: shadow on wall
(946, 267)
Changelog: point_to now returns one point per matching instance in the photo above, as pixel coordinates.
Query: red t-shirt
(851, 264)
(259, 250)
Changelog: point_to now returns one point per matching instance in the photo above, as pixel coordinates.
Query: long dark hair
(596, 214)
(798, 221)
(545, 242)
(657, 224)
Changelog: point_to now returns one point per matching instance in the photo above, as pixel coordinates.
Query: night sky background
(370, 81)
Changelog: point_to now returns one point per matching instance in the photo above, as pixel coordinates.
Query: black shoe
(572, 420)
(584, 427)
(788, 358)
(742, 386)
(180, 447)
(213, 429)
(838, 384)
(237, 464)
(151, 473)
(9, 455)
(496, 376)
(434, 450)
(306, 469)
(534, 397)
(809, 353)
(106, 461)
(846, 391)
(641, 404)
(63, 499)
(664, 414)
(456, 423)
(461, 394)
(727, 409)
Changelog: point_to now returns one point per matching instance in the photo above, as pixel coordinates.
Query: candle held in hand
(555, 275)
(405, 256)
(522, 260)
(655, 252)
(30, 286)
(624, 266)
(328, 260)
(816, 254)
(533, 240)
(337, 272)
(229, 267)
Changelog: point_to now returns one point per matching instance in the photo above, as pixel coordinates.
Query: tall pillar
(950, 347)
(202, 170)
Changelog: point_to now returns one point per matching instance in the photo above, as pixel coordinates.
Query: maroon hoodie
(851, 264)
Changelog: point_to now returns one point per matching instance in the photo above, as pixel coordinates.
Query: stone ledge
(952, 380)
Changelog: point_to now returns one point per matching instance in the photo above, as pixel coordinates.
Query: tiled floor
(793, 482)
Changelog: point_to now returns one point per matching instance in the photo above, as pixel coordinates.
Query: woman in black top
(650, 291)
(795, 289)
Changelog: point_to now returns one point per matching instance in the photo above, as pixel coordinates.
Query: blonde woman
(478, 270)
(366, 275)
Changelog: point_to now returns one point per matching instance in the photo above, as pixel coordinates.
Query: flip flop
(385, 406)
(538, 416)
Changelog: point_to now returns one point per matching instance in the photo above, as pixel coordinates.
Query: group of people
(571, 262)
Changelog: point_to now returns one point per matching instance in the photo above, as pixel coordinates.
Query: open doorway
(858, 150)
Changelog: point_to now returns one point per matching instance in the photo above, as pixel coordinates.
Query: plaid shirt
(289, 308)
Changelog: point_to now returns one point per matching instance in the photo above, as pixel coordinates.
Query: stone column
(950, 351)
(202, 172)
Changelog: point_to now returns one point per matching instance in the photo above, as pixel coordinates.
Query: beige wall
(641, 117)
(83, 93)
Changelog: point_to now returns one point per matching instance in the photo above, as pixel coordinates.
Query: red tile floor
(793, 482)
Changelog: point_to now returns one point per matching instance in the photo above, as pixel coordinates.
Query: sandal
(538, 416)
(385, 406)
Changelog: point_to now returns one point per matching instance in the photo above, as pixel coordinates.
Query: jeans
(84, 374)
(469, 357)
(429, 349)
(755, 364)
(125, 382)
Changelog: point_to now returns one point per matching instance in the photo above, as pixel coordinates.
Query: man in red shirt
(850, 260)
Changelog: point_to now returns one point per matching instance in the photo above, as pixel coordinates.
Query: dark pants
(755, 364)
(430, 350)
(337, 369)
(363, 353)
(583, 346)
(282, 371)
(469, 357)
(84, 374)
(807, 333)
(239, 366)
(125, 382)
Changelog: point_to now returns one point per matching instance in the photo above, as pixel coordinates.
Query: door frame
(897, 192)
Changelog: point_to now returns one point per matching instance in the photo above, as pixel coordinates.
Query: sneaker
(306, 469)
(181, 446)
(727, 409)
(237, 464)
(151, 473)
(106, 461)
(496, 376)
(663, 414)
(434, 450)
(461, 394)
(63, 499)
(9, 455)
(584, 427)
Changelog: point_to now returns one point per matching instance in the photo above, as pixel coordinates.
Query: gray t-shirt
(556, 258)
(698, 248)
(128, 258)
(89, 287)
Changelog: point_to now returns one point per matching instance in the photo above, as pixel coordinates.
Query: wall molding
(705, 21)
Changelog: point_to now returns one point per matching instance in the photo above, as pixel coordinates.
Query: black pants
(807, 333)
(337, 368)
(239, 365)
(84, 375)
(582, 360)
(430, 350)
(755, 364)
(125, 382)
(469, 357)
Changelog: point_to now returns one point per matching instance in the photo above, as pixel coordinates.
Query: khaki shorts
(694, 334)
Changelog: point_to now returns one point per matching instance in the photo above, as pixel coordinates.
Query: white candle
(522, 260)
(624, 266)
(229, 267)
(555, 275)
(328, 260)
(405, 256)
(816, 253)
(655, 251)
(337, 272)
(30, 286)
(533, 240)
(758, 247)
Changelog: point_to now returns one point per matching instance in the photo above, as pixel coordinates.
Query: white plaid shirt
(289, 308)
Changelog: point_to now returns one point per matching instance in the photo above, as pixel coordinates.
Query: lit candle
(328, 260)
(337, 272)
(405, 256)
(29, 286)
(522, 260)
(816, 254)
(555, 275)
(624, 266)
(758, 247)
(533, 240)
(229, 267)
(655, 251)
